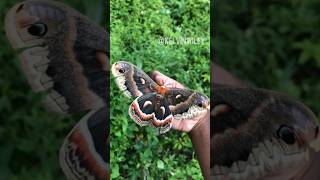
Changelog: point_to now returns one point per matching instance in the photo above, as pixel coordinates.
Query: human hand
(181, 125)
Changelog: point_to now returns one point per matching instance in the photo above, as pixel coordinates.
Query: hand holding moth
(155, 104)
(185, 125)
(197, 126)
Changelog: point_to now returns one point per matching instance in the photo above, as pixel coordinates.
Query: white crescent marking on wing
(147, 103)
(163, 110)
(142, 81)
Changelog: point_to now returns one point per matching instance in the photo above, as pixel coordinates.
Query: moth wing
(60, 54)
(141, 109)
(85, 151)
(179, 100)
(163, 115)
(151, 109)
(131, 80)
(183, 103)
(165, 128)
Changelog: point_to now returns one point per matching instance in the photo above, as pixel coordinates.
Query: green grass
(135, 32)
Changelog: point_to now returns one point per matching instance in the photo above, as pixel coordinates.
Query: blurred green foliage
(136, 27)
(271, 44)
(30, 137)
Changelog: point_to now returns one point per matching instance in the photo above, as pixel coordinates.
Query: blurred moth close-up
(63, 55)
(156, 105)
(261, 134)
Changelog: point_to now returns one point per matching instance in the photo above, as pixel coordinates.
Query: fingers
(164, 80)
(184, 125)
(187, 125)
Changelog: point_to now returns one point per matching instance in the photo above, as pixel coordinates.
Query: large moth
(156, 105)
(260, 134)
(64, 55)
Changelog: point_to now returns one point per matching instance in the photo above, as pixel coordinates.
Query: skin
(309, 171)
